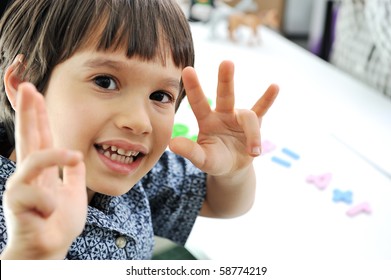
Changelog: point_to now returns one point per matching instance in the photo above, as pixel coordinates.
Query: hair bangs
(147, 30)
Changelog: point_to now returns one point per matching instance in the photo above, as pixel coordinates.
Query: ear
(13, 78)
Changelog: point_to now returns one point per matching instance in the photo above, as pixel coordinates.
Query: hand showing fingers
(43, 220)
(228, 138)
(45, 202)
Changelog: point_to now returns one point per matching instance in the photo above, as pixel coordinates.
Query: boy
(112, 74)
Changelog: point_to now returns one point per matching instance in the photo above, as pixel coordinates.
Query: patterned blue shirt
(165, 203)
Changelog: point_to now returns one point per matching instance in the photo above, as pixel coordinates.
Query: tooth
(107, 154)
(113, 157)
(121, 151)
(105, 147)
(129, 153)
(135, 154)
(114, 148)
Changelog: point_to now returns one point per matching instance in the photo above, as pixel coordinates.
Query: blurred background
(302, 21)
(309, 23)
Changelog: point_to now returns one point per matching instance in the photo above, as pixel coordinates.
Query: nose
(135, 117)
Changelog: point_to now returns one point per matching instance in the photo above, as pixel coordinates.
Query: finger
(188, 149)
(22, 199)
(26, 127)
(225, 100)
(38, 161)
(44, 133)
(249, 122)
(195, 95)
(266, 101)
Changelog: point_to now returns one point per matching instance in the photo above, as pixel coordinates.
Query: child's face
(111, 108)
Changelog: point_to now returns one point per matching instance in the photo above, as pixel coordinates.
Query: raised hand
(45, 202)
(228, 138)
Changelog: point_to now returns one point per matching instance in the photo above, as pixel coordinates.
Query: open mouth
(118, 154)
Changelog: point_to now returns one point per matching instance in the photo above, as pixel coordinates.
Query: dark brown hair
(48, 32)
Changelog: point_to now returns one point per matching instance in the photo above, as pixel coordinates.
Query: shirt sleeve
(176, 190)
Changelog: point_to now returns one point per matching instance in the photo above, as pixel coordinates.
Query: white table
(335, 124)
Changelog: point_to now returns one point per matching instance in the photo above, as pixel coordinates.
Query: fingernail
(256, 150)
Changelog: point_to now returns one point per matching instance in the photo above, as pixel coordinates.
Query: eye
(106, 82)
(162, 97)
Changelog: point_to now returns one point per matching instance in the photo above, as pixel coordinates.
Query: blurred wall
(297, 17)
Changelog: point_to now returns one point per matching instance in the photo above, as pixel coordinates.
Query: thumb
(188, 149)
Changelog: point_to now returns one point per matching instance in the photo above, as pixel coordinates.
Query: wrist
(239, 174)
(12, 253)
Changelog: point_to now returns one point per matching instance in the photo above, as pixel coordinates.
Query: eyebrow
(103, 62)
(120, 66)
(173, 84)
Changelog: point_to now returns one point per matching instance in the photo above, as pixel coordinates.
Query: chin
(112, 188)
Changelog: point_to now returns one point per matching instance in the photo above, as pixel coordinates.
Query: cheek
(69, 125)
(67, 133)
(163, 130)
